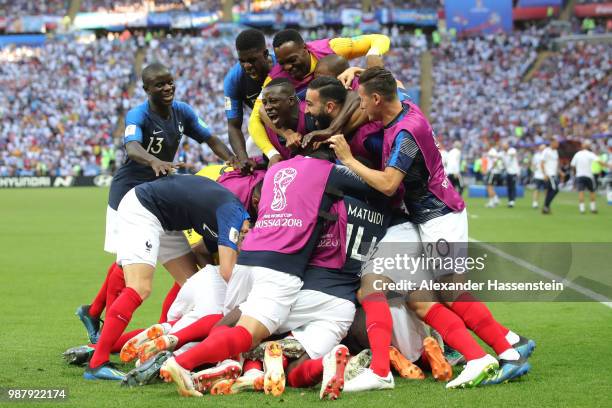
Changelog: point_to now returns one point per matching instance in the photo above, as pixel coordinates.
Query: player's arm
(387, 181)
(257, 130)
(136, 152)
(234, 115)
(221, 150)
(227, 261)
(198, 130)
(132, 140)
(373, 46)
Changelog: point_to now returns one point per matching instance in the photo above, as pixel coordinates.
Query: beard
(322, 120)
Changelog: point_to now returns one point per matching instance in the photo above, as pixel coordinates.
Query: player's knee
(143, 289)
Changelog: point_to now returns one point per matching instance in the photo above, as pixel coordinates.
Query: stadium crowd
(569, 88)
(19, 8)
(567, 95)
(60, 104)
(126, 6)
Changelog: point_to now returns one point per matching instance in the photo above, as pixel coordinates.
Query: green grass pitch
(51, 261)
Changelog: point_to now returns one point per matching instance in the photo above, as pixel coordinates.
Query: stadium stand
(11, 8)
(60, 106)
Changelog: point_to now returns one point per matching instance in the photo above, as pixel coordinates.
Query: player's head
(331, 65)
(554, 143)
(252, 53)
(323, 152)
(325, 97)
(505, 145)
(377, 87)
(279, 101)
(586, 144)
(457, 145)
(291, 53)
(158, 83)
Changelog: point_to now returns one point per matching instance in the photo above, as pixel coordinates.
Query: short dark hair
(329, 89)
(379, 80)
(324, 152)
(283, 83)
(335, 63)
(153, 69)
(250, 39)
(286, 36)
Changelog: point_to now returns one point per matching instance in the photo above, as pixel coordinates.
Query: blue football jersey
(160, 137)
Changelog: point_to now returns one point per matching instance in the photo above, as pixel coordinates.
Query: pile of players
(277, 286)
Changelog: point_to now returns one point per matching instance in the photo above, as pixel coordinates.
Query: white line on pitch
(547, 274)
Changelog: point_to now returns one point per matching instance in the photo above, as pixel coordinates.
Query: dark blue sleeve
(195, 127)
(134, 121)
(229, 222)
(403, 152)
(231, 84)
(402, 94)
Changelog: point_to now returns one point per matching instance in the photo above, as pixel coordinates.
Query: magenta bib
(242, 186)
(331, 248)
(289, 205)
(417, 125)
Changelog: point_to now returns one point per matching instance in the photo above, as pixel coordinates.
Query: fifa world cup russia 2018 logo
(282, 179)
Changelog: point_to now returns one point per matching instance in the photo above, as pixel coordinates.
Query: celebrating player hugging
(271, 257)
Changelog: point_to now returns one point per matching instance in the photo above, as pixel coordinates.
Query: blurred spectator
(14, 8)
(61, 105)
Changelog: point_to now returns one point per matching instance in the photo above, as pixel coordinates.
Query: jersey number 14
(353, 249)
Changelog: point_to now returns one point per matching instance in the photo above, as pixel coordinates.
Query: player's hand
(233, 161)
(275, 159)
(293, 139)
(246, 166)
(348, 75)
(341, 148)
(162, 167)
(315, 136)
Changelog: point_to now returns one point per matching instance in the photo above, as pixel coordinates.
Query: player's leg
(477, 317)
(490, 189)
(168, 300)
(139, 280)
(138, 246)
(511, 181)
(328, 321)
(535, 197)
(592, 187)
(379, 324)
(267, 305)
(176, 256)
(197, 308)
(480, 365)
(552, 188)
(406, 239)
(90, 315)
(178, 259)
(218, 346)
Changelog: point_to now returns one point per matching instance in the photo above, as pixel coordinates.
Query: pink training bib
(417, 125)
(289, 205)
(331, 248)
(242, 186)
